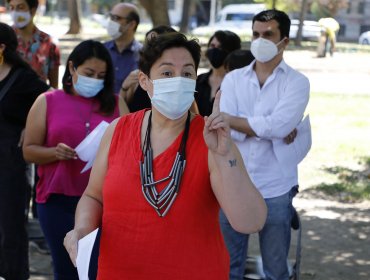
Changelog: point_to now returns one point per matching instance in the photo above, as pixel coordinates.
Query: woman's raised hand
(216, 130)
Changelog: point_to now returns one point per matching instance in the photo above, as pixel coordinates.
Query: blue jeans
(274, 240)
(56, 218)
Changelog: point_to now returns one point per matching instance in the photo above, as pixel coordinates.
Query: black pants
(14, 186)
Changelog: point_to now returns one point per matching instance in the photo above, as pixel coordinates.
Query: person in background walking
(328, 38)
(19, 88)
(58, 121)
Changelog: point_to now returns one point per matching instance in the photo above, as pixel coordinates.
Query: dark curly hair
(93, 49)
(154, 49)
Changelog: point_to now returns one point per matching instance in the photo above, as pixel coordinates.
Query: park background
(334, 198)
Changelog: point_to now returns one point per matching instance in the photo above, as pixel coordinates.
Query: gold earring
(1, 59)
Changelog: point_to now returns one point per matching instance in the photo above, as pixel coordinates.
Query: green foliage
(104, 4)
(327, 8)
(228, 2)
(286, 6)
(352, 184)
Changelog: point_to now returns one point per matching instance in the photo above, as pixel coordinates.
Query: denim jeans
(56, 218)
(274, 240)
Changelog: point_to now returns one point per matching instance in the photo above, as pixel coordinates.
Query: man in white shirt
(264, 103)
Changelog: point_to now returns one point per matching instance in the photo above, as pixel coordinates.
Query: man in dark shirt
(124, 49)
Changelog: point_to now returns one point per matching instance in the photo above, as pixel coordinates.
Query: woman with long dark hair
(57, 123)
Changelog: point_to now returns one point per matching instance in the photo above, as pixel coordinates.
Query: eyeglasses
(116, 17)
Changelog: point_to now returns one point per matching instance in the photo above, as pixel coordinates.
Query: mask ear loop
(279, 44)
(153, 88)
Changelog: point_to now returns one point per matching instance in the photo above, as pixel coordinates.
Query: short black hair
(229, 41)
(31, 3)
(93, 49)
(282, 19)
(238, 59)
(155, 47)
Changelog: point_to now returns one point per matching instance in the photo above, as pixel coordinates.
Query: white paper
(88, 148)
(85, 246)
(293, 153)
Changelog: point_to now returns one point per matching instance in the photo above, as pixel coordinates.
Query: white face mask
(20, 19)
(264, 50)
(172, 97)
(113, 29)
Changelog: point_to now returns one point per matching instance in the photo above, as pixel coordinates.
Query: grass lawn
(340, 149)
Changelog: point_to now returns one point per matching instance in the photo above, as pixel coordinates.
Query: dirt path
(335, 238)
(335, 241)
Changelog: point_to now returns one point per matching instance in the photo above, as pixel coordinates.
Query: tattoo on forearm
(232, 162)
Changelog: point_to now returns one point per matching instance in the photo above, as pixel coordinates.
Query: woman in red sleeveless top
(160, 177)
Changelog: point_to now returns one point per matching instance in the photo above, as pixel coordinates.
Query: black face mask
(216, 56)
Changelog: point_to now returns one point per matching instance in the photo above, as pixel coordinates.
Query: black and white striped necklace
(163, 200)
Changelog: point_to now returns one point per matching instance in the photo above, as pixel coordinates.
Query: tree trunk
(185, 16)
(74, 16)
(157, 10)
(274, 4)
(302, 16)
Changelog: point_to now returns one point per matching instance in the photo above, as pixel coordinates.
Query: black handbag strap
(9, 83)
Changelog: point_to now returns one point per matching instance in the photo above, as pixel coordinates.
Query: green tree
(286, 5)
(327, 8)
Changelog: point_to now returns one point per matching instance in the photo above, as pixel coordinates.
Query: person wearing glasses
(123, 48)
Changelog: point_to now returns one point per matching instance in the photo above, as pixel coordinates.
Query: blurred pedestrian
(147, 211)
(221, 43)
(34, 45)
(264, 103)
(19, 88)
(123, 48)
(328, 38)
(57, 123)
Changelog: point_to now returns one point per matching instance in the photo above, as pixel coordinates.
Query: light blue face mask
(172, 97)
(88, 87)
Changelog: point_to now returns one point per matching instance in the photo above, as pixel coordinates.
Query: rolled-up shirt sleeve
(287, 113)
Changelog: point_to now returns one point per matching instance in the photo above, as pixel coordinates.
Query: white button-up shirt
(273, 111)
